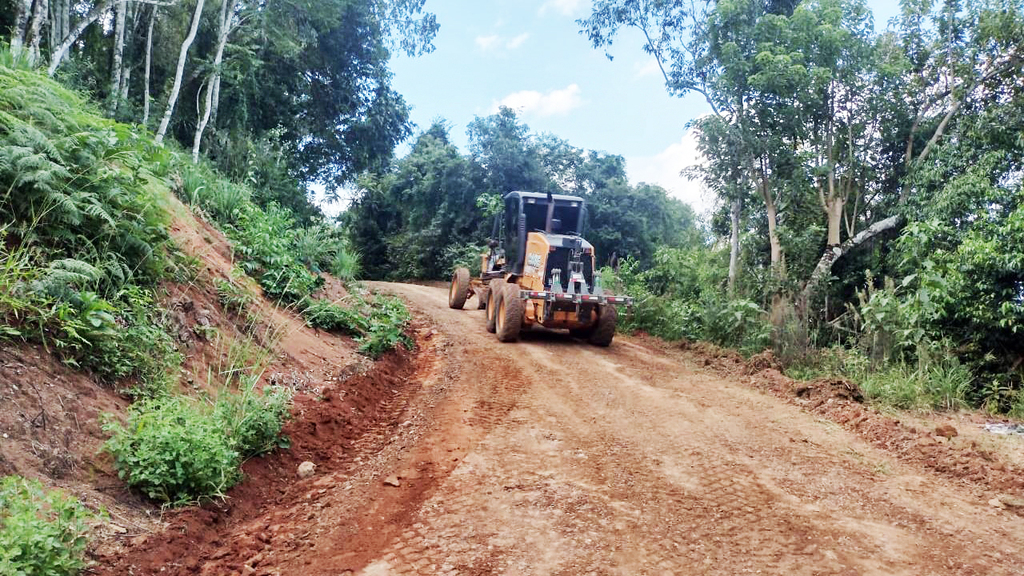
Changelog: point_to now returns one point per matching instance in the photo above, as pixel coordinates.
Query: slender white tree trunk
(61, 52)
(149, 62)
(172, 99)
(40, 13)
(227, 12)
(117, 68)
(21, 17)
(734, 242)
(125, 81)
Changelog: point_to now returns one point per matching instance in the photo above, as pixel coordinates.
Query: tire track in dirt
(553, 457)
(622, 462)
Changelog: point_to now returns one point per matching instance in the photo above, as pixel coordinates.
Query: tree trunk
(58, 56)
(777, 257)
(834, 211)
(179, 72)
(40, 13)
(149, 62)
(64, 15)
(125, 81)
(117, 67)
(734, 243)
(227, 12)
(833, 253)
(21, 17)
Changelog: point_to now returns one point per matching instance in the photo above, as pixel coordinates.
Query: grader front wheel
(493, 296)
(459, 290)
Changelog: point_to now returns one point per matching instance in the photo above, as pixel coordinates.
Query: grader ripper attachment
(539, 270)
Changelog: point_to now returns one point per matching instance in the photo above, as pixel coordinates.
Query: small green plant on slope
(388, 320)
(253, 419)
(177, 450)
(42, 533)
(173, 451)
(327, 315)
(378, 324)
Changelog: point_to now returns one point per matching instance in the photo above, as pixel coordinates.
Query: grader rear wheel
(459, 290)
(509, 316)
(604, 330)
(481, 297)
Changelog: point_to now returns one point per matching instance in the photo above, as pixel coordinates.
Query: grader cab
(540, 271)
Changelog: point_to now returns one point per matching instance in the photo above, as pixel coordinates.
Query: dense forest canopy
(280, 95)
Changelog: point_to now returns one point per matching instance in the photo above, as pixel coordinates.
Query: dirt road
(550, 456)
(618, 461)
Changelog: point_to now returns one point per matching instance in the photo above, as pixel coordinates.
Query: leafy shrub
(42, 533)
(173, 450)
(679, 298)
(177, 450)
(465, 256)
(263, 240)
(234, 298)
(388, 320)
(379, 324)
(252, 418)
(737, 323)
(327, 315)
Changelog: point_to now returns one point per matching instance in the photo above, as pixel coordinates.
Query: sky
(530, 56)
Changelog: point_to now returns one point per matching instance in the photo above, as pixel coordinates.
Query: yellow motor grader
(539, 270)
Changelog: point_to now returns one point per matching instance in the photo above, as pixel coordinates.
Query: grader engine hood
(570, 263)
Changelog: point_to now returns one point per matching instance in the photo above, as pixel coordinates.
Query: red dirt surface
(553, 457)
(961, 459)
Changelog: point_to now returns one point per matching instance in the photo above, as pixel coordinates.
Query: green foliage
(173, 450)
(85, 236)
(346, 265)
(233, 297)
(941, 384)
(252, 419)
(389, 319)
(378, 324)
(177, 450)
(327, 315)
(680, 297)
(42, 533)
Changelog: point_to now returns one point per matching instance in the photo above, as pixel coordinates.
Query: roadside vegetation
(85, 255)
(870, 201)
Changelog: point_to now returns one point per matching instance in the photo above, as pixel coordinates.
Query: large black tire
(459, 290)
(509, 315)
(604, 330)
(481, 297)
(492, 304)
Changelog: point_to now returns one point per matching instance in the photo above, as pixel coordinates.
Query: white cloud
(564, 7)
(645, 69)
(664, 167)
(555, 102)
(517, 41)
(486, 43)
(496, 42)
